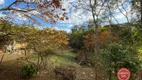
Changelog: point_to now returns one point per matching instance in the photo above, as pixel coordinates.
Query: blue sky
(76, 17)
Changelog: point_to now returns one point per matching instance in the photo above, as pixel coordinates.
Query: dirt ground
(11, 70)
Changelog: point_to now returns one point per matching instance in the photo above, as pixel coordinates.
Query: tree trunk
(110, 75)
(2, 58)
(96, 39)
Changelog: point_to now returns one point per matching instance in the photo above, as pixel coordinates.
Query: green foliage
(136, 6)
(5, 36)
(118, 56)
(127, 33)
(29, 70)
(42, 42)
(76, 40)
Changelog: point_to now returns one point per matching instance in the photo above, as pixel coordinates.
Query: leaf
(62, 18)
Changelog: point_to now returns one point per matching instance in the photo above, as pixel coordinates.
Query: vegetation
(89, 52)
(29, 71)
(116, 49)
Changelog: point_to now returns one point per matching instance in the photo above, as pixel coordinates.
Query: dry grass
(11, 70)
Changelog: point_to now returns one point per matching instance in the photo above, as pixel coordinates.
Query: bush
(29, 70)
(118, 56)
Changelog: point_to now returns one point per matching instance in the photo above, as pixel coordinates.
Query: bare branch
(9, 7)
(20, 10)
(101, 7)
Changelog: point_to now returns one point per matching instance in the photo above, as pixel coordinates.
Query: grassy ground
(11, 70)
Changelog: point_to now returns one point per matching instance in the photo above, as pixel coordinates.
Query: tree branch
(20, 10)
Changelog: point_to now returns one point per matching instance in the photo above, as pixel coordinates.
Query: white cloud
(1, 1)
(119, 16)
(123, 14)
(21, 17)
(65, 29)
(34, 12)
(2, 15)
(76, 16)
(65, 24)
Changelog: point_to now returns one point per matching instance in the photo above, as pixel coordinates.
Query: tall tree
(137, 11)
(95, 7)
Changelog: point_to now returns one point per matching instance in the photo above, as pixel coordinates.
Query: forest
(33, 46)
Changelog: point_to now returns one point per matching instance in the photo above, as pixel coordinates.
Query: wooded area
(93, 52)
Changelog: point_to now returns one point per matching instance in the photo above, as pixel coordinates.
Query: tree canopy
(34, 11)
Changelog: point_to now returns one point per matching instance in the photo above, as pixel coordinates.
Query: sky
(76, 16)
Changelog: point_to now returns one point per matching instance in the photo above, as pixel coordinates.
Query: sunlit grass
(58, 59)
(62, 59)
(140, 53)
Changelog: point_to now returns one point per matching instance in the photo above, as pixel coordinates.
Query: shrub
(118, 56)
(29, 70)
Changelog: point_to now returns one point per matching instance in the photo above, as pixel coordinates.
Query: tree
(76, 37)
(103, 38)
(118, 56)
(10, 33)
(5, 34)
(100, 9)
(34, 11)
(137, 10)
(44, 42)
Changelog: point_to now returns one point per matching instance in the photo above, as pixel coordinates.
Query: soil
(11, 70)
